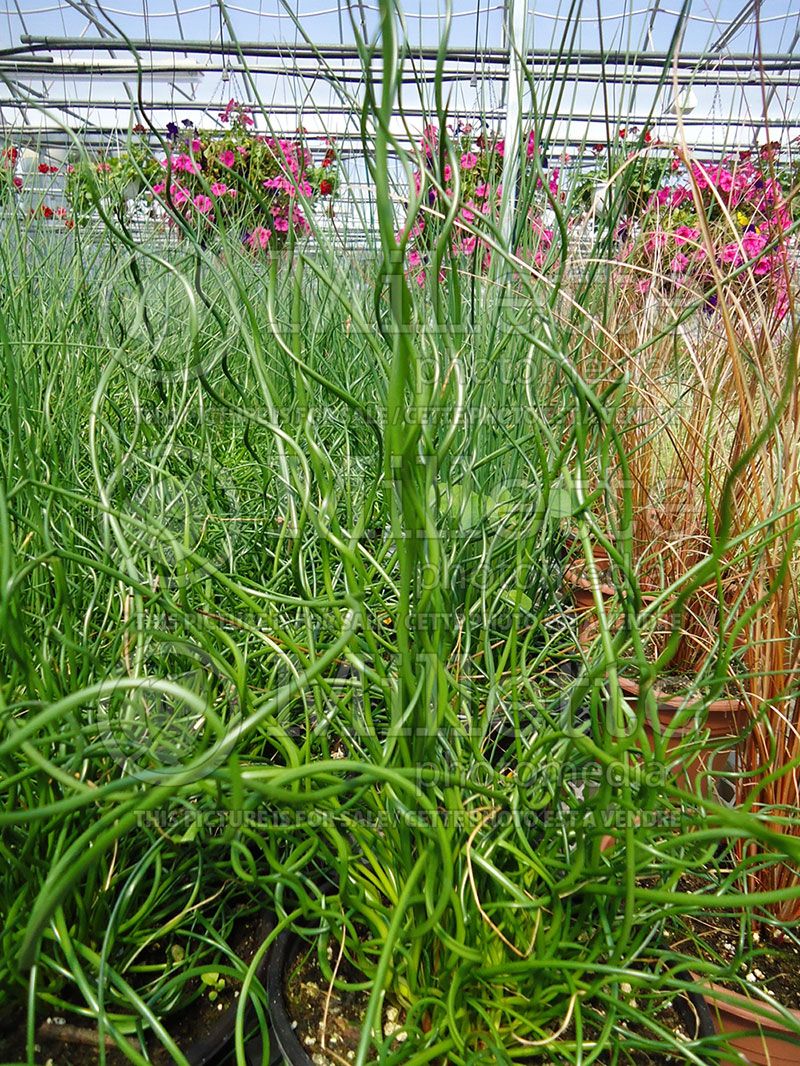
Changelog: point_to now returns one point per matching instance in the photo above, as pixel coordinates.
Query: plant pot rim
(740, 1005)
(209, 1047)
(284, 951)
(730, 707)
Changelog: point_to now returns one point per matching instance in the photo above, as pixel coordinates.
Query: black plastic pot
(694, 1011)
(217, 1046)
(691, 1005)
(286, 949)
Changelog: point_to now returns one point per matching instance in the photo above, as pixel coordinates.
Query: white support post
(516, 12)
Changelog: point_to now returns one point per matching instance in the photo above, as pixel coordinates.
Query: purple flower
(172, 131)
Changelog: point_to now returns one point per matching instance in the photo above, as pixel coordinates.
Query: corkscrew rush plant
(283, 623)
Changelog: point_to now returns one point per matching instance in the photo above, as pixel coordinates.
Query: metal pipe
(487, 56)
(129, 72)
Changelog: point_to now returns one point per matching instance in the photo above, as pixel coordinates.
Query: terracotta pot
(725, 722)
(576, 577)
(762, 1041)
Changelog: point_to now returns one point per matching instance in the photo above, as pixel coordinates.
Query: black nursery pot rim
(285, 950)
(210, 1048)
(691, 1005)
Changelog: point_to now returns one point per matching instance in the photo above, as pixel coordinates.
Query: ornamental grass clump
(283, 624)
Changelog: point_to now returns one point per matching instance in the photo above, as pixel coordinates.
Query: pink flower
(196, 145)
(17, 183)
(730, 253)
(482, 190)
(299, 221)
(414, 259)
(531, 147)
(281, 224)
(178, 194)
(680, 195)
(259, 238)
(448, 172)
(468, 161)
(765, 265)
(686, 233)
(544, 234)
(185, 163)
(724, 180)
(420, 278)
(227, 158)
(103, 168)
(678, 263)
(656, 240)
(159, 187)
(218, 188)
(753, 244)
(644, 285)
(430, 138)
(203, 203)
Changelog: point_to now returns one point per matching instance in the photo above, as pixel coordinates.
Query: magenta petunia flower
(203, 203)
(686, 233)
(218, 188)
(259, 238)
(227, 158)
(469, 161)
(679, 263)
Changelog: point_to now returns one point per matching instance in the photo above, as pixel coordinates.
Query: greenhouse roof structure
(88, 66)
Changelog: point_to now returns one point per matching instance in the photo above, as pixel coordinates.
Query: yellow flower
(742, 218)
